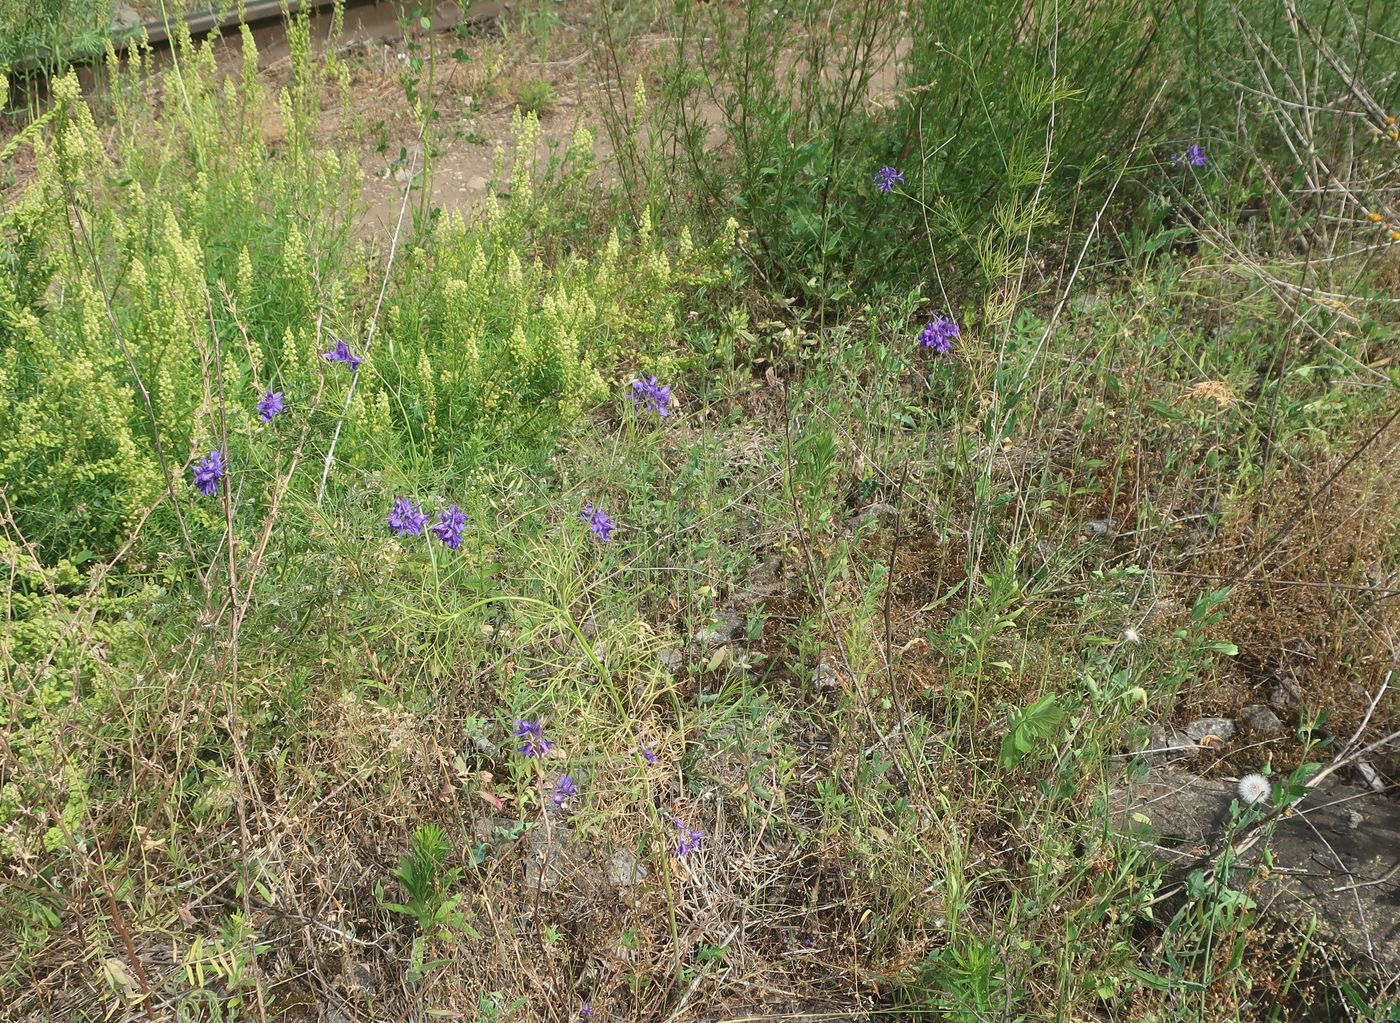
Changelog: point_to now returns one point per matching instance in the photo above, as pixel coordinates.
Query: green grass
(52, 31)
(888, 624)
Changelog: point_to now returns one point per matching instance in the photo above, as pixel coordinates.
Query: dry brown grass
(1316, 610)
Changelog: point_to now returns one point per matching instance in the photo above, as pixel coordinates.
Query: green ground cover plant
(49, 31)
(730, 572)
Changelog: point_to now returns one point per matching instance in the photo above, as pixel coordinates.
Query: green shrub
(1012, 123)
(488, 344)
(52, 31)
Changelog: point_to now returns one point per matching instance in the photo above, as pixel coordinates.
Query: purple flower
(647, 754)
(598, 521)
(887, 177)
(1195, 155)
(448, 527)
(564, 790)
(939, 334)
(647, 391)
(407, 518)
(689, 840)
(269, 405)
(343, 353)
(586, 1010)
(533, 743)
(207, 473)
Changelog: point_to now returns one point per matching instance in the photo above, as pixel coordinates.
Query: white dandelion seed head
(1130, 635)
(1254, 788)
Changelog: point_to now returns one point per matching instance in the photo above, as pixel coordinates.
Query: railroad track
(128, 24)
(364, 18)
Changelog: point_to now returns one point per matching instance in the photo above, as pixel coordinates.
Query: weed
(535, 95)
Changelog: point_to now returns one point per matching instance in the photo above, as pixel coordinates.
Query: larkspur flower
(887, 177)
(343, 353)
(599, 521)
(564, 790)
(1195, 155)
(647, 754)
(269, 405)
(407, 518)
(939, 334)
(448, 527)
(689, 840)
(586, 1010)
(647, 391)
(207, 473)
(533, 743)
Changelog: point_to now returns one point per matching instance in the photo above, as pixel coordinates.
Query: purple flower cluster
(564, 790)
(270, 404)
(1195, 155)
(939, 334)
(343, 353)
(407, 517)
(887, 177)
(598, 521)
(532, 739)
(688, 840)
(647, 391)
(207, 473)
(448, 527)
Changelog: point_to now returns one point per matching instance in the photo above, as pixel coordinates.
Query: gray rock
(730, 625)
(1337, 853)
(880, 513)
(760, 584)
(670, 658)
(1165, 745)
(1099, 528)
(124, 18)
(549, 857)
(625, 870)
(1222, 728)
(824, 677)
(1260, 719)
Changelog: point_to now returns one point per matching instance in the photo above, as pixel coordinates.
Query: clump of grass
(535, 95)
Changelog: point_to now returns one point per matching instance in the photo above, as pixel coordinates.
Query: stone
(124, 18)
(824, 677)
(1099, 528)
(1333, 857)
(1164, 745)
(625, 870)
(549, 857)
(878, 514)
(1261, 720)
(730, 624)
(760, 584)
(670, 659)
(1221, 728)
